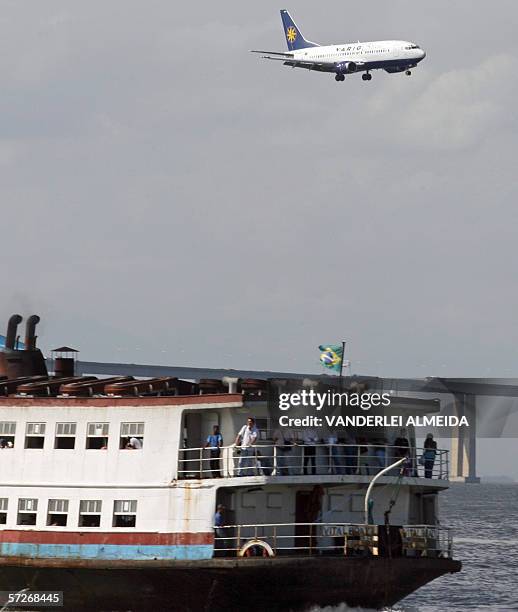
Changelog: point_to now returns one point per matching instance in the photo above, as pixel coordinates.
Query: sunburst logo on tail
(291, 34)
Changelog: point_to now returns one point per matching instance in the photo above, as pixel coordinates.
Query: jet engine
(346, 67)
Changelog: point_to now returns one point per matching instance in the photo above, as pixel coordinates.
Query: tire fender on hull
(256, 548)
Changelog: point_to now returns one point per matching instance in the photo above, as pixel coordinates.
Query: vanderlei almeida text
(371, 420)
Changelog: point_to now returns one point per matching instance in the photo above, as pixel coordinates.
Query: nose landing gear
(408, 73)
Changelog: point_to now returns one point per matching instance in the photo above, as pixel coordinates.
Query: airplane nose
(422, 54)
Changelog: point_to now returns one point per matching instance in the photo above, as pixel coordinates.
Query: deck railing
(305, 459)
(348, 539)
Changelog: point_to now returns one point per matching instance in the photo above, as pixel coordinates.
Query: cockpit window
(412, 47)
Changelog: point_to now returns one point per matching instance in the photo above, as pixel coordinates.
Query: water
(485, 522)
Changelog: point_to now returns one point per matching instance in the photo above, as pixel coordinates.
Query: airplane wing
(275, 53)
(278, 55)
(288, 59)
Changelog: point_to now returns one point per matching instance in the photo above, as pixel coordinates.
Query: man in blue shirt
(214, 443)
(219, 530)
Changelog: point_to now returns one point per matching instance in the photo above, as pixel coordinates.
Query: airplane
(346, 58)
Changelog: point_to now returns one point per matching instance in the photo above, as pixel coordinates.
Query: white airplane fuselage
(390, 55)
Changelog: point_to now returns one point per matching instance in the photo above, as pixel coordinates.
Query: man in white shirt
(246, 438)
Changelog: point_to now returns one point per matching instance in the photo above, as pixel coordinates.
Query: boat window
(27, 510)
(356, 503)
(124, 512)
(4, 502)
(97, 436)
(57, 513)
(248, 499)
(65, 435)
(263, 426)
(132, 436)
(35, 435)
(274, 500)
(336, 503)
(90, 512)
(7, 433)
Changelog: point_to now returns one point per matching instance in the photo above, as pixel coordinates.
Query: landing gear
(408, 73)
(340, 77)
(366, 77)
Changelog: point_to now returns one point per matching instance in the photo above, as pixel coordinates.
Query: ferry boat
(109, 494)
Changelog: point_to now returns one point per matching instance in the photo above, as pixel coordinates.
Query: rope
(393, 501)
(389, 510)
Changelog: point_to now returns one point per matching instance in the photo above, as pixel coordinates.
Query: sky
(170, 198)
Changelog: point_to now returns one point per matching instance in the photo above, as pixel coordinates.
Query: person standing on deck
(403, 450)
(430, 450)
(219, 530)
(380, 453)
(246, 438)
(309, 450)
(363, 456)
(350, 450)
(214, 443)
(335, 457)
(283, 442)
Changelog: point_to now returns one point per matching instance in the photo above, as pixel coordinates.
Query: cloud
(461, 107)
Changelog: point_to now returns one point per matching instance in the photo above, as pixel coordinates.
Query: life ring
(256, 548)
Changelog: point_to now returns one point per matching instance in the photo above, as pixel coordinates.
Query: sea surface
(485, 522)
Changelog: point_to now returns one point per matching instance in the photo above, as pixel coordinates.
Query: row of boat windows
(65, 435)
(90, 512)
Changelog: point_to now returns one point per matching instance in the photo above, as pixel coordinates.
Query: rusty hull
(215, 585)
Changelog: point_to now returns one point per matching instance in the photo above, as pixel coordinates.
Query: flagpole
(342, 365)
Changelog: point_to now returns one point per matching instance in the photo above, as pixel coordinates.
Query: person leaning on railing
(246, 438)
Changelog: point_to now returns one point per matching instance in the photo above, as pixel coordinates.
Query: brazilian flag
(331, 356)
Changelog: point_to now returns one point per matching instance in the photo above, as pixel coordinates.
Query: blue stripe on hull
(105, 551)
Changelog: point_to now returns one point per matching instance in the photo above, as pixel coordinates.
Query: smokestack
(12, 328)
(30, 332)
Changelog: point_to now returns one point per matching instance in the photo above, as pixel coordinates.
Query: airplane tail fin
(293, 35)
